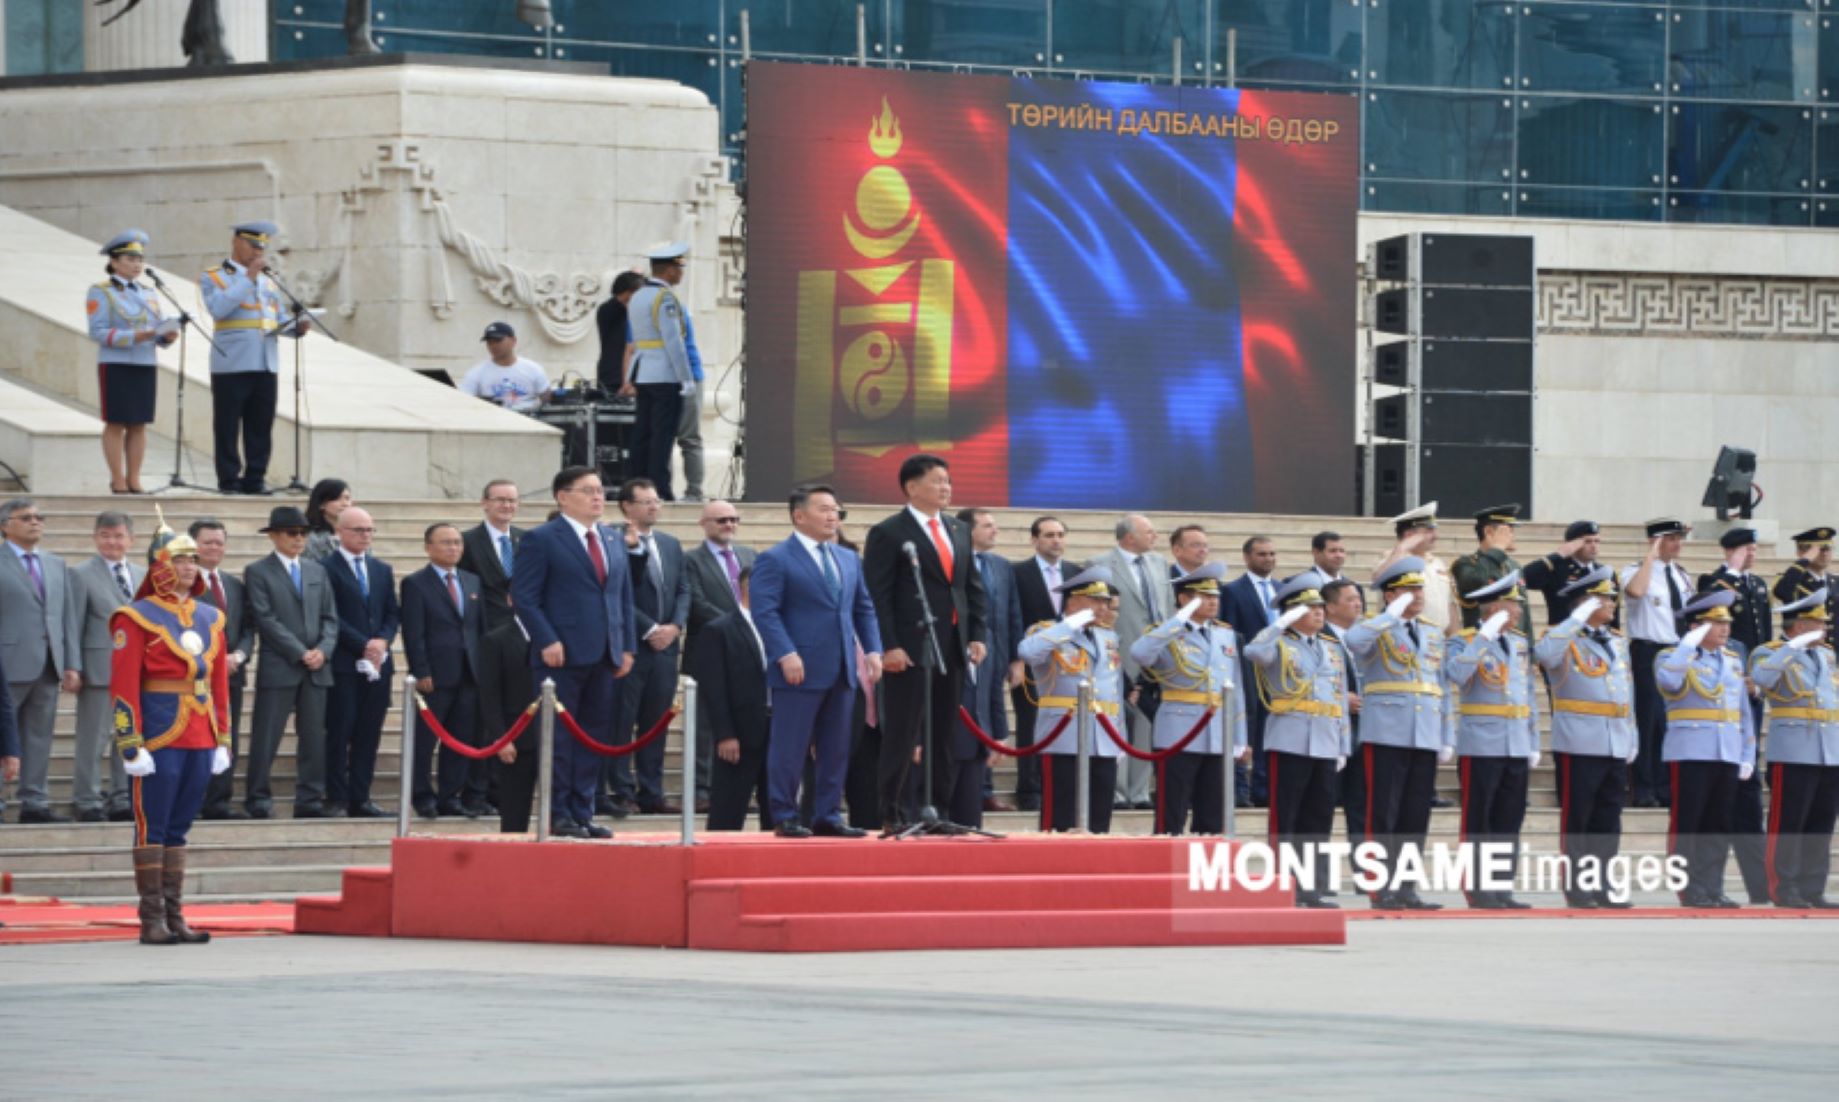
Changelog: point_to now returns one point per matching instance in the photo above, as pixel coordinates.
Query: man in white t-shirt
(507, 378)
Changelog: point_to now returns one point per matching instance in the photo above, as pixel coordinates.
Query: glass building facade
(1678, 110)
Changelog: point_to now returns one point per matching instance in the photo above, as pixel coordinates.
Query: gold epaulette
(1467, 633)
(1042, 626)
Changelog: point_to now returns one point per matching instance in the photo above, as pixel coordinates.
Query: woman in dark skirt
(124, 319)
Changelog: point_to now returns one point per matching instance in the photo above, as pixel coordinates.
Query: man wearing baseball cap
(506, 378)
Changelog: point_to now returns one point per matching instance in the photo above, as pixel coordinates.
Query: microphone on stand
(911, 552)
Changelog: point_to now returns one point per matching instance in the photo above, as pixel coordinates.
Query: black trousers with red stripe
(1590, 793)
(1197, 783)
(1801, 815)
(1399, 787)
(1698, 826)
(1302, 795)
(1493, 803)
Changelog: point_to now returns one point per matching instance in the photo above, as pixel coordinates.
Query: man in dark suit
(363, 673)
(1248, 607)
(811, 607)
(290, 601)
(505, 689)
(714, 567)
(913, 690)
(442, 612)
(572, 594)
(660, 607)
(984, 687)
(729, 665)
(1037, 590)
(225, 593)
(490, 551)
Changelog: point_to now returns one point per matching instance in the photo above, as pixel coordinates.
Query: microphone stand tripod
(178, 449)
(294, 483)
(931, 664)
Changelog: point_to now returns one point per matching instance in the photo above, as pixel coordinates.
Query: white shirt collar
(496, 531)
(581, 529)
(924, 518)
(807, 542)
(1046, 566)
(717, 549)
(285, 561)
(22, 552)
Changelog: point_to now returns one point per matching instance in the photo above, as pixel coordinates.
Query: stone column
(148, 37)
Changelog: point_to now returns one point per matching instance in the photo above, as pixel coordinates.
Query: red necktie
(939, 545)
(217, 596)
(453, 591)
(594, 552)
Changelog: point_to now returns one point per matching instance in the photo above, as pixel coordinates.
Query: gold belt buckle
(201, 687)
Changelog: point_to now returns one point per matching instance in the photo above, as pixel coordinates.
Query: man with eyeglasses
(290, 600)
(40, 629)
(714, 567)
(363, 673)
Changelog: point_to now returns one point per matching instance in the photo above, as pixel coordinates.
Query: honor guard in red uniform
(171, 689)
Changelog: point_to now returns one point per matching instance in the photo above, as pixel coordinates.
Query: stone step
(248, 881)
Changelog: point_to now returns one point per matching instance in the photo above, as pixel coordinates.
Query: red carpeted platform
(757, 892)
(48, 920)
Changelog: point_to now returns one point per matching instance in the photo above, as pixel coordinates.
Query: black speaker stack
(1450, 328)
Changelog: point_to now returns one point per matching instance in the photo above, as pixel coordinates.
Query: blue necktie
(504, 553)
(830, 574)
(363, 579)
(293, 571)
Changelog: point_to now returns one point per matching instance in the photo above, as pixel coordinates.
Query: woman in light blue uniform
(124, 320)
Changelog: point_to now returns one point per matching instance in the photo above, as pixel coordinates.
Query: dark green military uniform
(1479, 569)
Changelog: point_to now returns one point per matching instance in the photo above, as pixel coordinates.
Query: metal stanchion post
(1231, 793)
(405, 797)
(545, 759)
(1083, 730)
(689, 761)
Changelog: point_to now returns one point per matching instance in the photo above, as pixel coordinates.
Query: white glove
(1340, 762)
(1492, 629)
(220, 760)
(1187, 611)
(364, 666)
(1079, 619)
(1243, 753)
(1584, 610)
(140, 765)
(1802, 642)
(1533, 760)
(1695, 637)
(1446, 754)
(1746, 771)
(1398, 605)
(689, 388)
(1292, 616)
(1634, 753)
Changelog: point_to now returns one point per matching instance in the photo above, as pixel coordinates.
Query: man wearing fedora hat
(290, 600)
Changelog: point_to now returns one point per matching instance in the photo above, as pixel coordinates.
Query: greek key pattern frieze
(1697, 306)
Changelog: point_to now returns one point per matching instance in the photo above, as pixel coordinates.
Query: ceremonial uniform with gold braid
(171, 689)
(127, 369)
(1059, 657)
(248, 315)
(1801, 688)
(1197, 668)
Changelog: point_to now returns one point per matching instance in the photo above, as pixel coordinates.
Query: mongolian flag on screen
(1074, 309)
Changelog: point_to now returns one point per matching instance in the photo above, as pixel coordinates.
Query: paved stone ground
(1662, 1009)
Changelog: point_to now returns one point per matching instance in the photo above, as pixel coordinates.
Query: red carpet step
(756, 892)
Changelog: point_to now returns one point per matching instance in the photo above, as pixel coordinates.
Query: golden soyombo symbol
(898, 348)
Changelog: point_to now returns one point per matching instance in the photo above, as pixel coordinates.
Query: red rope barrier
(476, 753)
(1160, 757)
(1047, 773)
(605, 751)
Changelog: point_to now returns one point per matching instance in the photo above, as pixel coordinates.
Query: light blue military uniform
(1197, 667)
(1059, 656)
(1710, 746)
(248, 315)
(660, 329)
(118, 308)
(1801, 686)
(1402, 700)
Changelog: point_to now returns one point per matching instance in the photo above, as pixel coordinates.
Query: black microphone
(155, 277)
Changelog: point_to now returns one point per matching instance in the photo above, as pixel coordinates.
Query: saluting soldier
(1060, 654)
(1710, 744)
(1553, 574)
(124, 319)
(1489, 562)
(1416, 532)
(1809, 572)
(1306, 737)
(1497, 724)
(1194, 658)
(249, 316)
(171, 684)
(1750, 629)
(1407, 727)
(1799, 680)
(1594, 739)
(661, 369)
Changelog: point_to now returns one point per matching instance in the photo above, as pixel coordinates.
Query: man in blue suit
(972, 792)
(574, 597)
(1248, 604)
(364, 592)
(811, 608)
